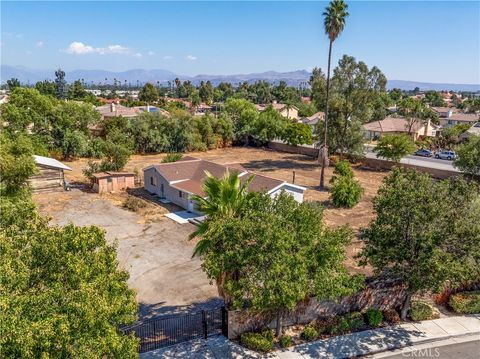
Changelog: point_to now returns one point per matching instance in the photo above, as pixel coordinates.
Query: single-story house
(472, 131)
(179, 181)
(114, 109)
(312, 121)
(399, 125)
(112, 181)
(459, 118)
(50, 175)
(442, 112)
(284, 110)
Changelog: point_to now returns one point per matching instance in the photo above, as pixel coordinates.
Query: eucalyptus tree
(334, 23)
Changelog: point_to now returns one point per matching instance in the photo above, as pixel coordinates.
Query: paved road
(468, 350)
(421, 161)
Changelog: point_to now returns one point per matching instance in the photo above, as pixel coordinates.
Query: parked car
(446, 155)
(424, 153)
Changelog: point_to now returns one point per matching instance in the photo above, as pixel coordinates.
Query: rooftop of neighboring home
(113, 110)
(313, 120)
(392, 124)
(464, 117)
(275, 105)
(474, 130)
(189, 173)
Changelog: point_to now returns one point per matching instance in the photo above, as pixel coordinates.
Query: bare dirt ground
(281, 165)
(156, 251)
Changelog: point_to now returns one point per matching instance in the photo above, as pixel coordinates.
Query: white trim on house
(287, 184)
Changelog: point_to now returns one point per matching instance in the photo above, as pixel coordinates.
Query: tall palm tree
(334, 23)
(225, 198)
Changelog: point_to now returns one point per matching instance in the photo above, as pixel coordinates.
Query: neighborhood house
(178, 181)
(397, 125)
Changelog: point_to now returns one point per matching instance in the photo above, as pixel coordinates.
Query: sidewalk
(344, 346)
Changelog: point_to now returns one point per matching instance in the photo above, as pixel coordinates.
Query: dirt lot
(156, 251)
(157, 254)
(281, 165)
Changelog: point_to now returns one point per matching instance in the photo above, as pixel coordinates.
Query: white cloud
(39, 44)
(168, 57)
(191, 57)
(79, 48)
(138, 55)
(150, 53)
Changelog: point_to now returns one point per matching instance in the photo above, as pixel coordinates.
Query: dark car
(424, 153)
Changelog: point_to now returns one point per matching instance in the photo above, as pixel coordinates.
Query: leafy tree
(46, 87)
(148, 93)
(434, 98)
(334, 23)
(346, 191)
(468, 156)
(269, 125)
(60, 84)
(394, 147)
(318, 83)
(298, 256)
(172, 157)
(395, 94)
(206, 92)
(62, 292)
(306, 109)
(297, 134)
(420, 237)
(76, 91)
(415, 112)
(74, 144)
(16, 162)
(244, 115)
(13, 83)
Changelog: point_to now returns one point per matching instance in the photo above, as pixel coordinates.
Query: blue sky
(431, 41)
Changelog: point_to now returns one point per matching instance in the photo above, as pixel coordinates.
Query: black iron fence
(173, 329)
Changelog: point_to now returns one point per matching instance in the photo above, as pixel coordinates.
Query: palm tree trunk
(323, 152)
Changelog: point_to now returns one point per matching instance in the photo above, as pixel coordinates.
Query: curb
(472, 336)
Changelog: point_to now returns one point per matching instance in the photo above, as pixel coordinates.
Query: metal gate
(169, 330)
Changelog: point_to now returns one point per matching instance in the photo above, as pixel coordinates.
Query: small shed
(112, 181)
(50, 175)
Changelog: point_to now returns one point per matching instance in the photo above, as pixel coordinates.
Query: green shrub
(354, 321)
(285, 341)
(465, 302)
(343, 169)
(323, 325)
(172, 157)
(420, 311)
(309, 333)
(346, 192)
(134, 204)
(256, 341)
(391, 316)
(374, 317)
(268, 333)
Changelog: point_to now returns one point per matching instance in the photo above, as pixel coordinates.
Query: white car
(446, 155)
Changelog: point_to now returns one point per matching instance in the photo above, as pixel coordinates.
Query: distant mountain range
(293, 78)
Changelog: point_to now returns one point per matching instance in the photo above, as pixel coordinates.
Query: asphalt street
(467, 350)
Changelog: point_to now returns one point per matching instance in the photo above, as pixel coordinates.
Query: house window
(180, 194)
(152, 181)
(161, 187)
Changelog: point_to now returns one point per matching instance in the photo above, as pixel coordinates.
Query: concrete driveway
(157, 255)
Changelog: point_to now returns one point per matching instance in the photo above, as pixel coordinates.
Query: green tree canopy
(269, 253)
(422, 238)
(394, 147)
(148, 93)
(468, 156)
(63, 295)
